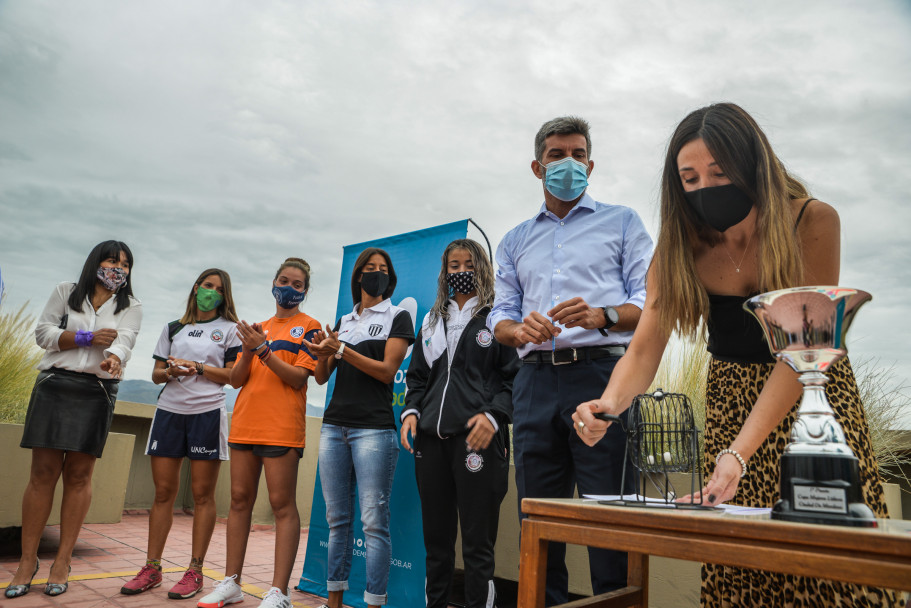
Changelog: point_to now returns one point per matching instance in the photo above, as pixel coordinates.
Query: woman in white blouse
(87, 330)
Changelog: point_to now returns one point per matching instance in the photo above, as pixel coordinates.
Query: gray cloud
(236, 134)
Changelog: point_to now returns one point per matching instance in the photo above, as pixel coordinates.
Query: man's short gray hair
(564, 125)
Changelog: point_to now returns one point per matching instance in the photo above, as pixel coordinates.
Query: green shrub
(18, 357)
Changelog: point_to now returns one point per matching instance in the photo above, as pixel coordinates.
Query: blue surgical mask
(287, 296)
(566, 178)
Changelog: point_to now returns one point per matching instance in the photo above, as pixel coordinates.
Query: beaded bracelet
(743, 464)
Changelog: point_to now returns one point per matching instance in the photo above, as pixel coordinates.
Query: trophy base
(822, 489)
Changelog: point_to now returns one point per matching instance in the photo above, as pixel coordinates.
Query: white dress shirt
(85, 360)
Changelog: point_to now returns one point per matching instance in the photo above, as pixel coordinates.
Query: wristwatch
(612, 317)
(340, 351)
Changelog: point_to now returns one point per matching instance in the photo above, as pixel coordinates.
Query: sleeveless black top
(734, 334)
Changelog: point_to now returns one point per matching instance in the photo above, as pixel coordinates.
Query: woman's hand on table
(722, 486)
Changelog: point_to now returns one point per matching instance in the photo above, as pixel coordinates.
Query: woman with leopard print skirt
(734, 223)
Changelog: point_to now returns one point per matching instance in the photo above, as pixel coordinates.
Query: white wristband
(340, 351)
(743, 464)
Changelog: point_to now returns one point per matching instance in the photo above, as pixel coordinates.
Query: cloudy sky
(235, 134)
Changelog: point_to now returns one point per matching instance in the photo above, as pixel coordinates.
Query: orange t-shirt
(268, 411)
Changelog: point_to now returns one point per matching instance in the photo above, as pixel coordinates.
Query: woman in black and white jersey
(358, 441)
(457, 411)
(193, 360)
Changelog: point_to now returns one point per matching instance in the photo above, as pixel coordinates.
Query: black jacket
(479, 380)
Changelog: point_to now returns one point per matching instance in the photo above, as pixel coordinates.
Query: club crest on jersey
(297, 332)
(217, 335)
(484, 338)
(474, 462)
(374, 329)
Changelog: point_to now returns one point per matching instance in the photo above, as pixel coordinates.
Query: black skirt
(70, 411)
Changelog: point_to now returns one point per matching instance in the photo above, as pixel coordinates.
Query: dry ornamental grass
(18, 357)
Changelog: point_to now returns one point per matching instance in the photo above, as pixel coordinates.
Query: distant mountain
(143, 391)
(138, 391)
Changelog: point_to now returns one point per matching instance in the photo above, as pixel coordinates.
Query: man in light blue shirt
(569, 292)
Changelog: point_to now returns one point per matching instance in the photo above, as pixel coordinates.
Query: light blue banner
(416, 258)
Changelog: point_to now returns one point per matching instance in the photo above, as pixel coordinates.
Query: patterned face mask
(461, 282)
(112, 278)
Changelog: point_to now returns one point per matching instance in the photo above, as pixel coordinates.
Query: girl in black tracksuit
(457, 411)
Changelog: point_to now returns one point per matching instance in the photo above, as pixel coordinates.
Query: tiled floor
(108, 555)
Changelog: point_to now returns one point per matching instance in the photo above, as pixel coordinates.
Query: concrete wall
(108, 482)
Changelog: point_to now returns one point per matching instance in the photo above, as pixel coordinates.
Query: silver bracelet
(743, 464)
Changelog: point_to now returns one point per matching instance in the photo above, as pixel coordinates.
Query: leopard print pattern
(731, 391)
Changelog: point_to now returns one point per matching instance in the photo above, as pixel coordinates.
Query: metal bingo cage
(662, 438)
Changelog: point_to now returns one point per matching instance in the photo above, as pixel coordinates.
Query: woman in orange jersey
(267, 432)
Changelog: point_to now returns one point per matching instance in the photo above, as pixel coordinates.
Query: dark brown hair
(359, 264)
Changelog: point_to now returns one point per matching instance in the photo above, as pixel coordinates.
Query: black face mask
(374, 284)
(461, 282)
(720, 206)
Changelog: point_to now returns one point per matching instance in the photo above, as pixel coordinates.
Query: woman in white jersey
(193, 360)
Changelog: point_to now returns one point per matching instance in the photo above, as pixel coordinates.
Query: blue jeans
(364, 459)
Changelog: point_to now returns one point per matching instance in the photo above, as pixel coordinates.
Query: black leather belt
(565, 356)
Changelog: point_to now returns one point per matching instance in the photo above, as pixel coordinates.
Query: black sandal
(55, 589)
(20, 590)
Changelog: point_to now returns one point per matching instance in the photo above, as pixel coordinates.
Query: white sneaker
(274, 598)
(225, 592)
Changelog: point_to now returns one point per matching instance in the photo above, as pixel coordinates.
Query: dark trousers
(551, 461)
(457, 486)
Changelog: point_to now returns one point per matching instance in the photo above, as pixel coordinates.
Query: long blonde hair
(225, 309)
(483, 278)
(743, 152)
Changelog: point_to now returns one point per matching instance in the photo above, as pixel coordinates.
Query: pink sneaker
(148, 578)
(189, 585)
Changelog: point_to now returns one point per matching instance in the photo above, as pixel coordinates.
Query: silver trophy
(820, 478)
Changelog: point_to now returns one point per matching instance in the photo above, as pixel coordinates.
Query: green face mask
(208, 299)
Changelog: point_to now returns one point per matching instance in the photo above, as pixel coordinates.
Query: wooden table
(879, 557)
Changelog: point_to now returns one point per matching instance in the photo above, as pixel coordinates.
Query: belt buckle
(553, 358)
